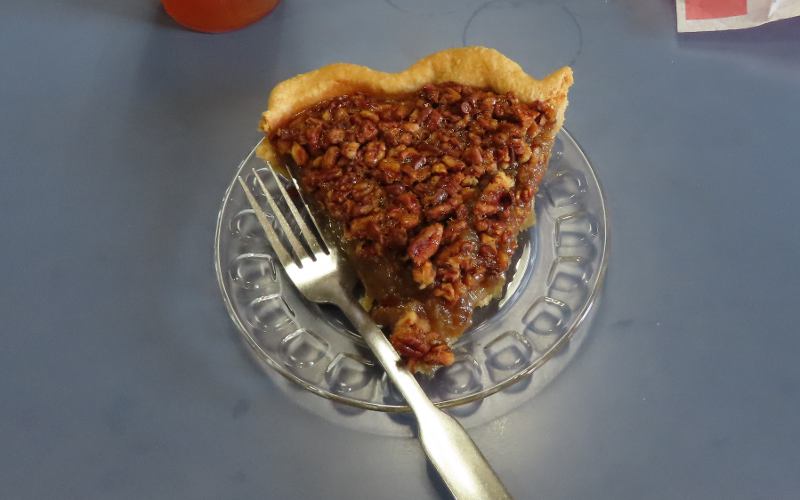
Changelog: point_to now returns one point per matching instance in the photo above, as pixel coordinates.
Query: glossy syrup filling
(427, 193)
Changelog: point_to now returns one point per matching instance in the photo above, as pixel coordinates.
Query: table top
(121, 375)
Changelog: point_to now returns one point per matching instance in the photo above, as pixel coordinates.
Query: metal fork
(321, 274)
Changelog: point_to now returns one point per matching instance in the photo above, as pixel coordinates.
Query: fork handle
(452, 452)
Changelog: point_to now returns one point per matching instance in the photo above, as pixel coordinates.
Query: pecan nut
(425, 244)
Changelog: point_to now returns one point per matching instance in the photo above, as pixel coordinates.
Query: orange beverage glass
(217, 16)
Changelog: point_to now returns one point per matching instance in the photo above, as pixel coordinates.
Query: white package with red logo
(715, 15)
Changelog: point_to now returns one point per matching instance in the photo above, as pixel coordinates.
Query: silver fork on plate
(322, 275)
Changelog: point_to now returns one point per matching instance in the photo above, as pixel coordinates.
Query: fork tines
(309, 248)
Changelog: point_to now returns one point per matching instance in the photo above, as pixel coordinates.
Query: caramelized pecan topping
(430, 191)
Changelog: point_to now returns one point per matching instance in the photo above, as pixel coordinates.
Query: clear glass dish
(552, 285)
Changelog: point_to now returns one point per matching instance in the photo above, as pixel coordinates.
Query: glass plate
(552, 284)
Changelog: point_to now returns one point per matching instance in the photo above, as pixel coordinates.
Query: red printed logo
(711, 9)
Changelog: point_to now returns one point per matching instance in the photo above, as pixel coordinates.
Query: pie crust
(474, 66)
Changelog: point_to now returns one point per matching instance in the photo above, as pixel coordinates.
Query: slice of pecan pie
(427, 176)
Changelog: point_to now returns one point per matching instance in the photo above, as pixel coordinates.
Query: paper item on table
(716, 15)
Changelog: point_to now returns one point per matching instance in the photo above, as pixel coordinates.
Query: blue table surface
(121, 375)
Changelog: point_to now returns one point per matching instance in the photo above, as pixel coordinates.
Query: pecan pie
(426, 176)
